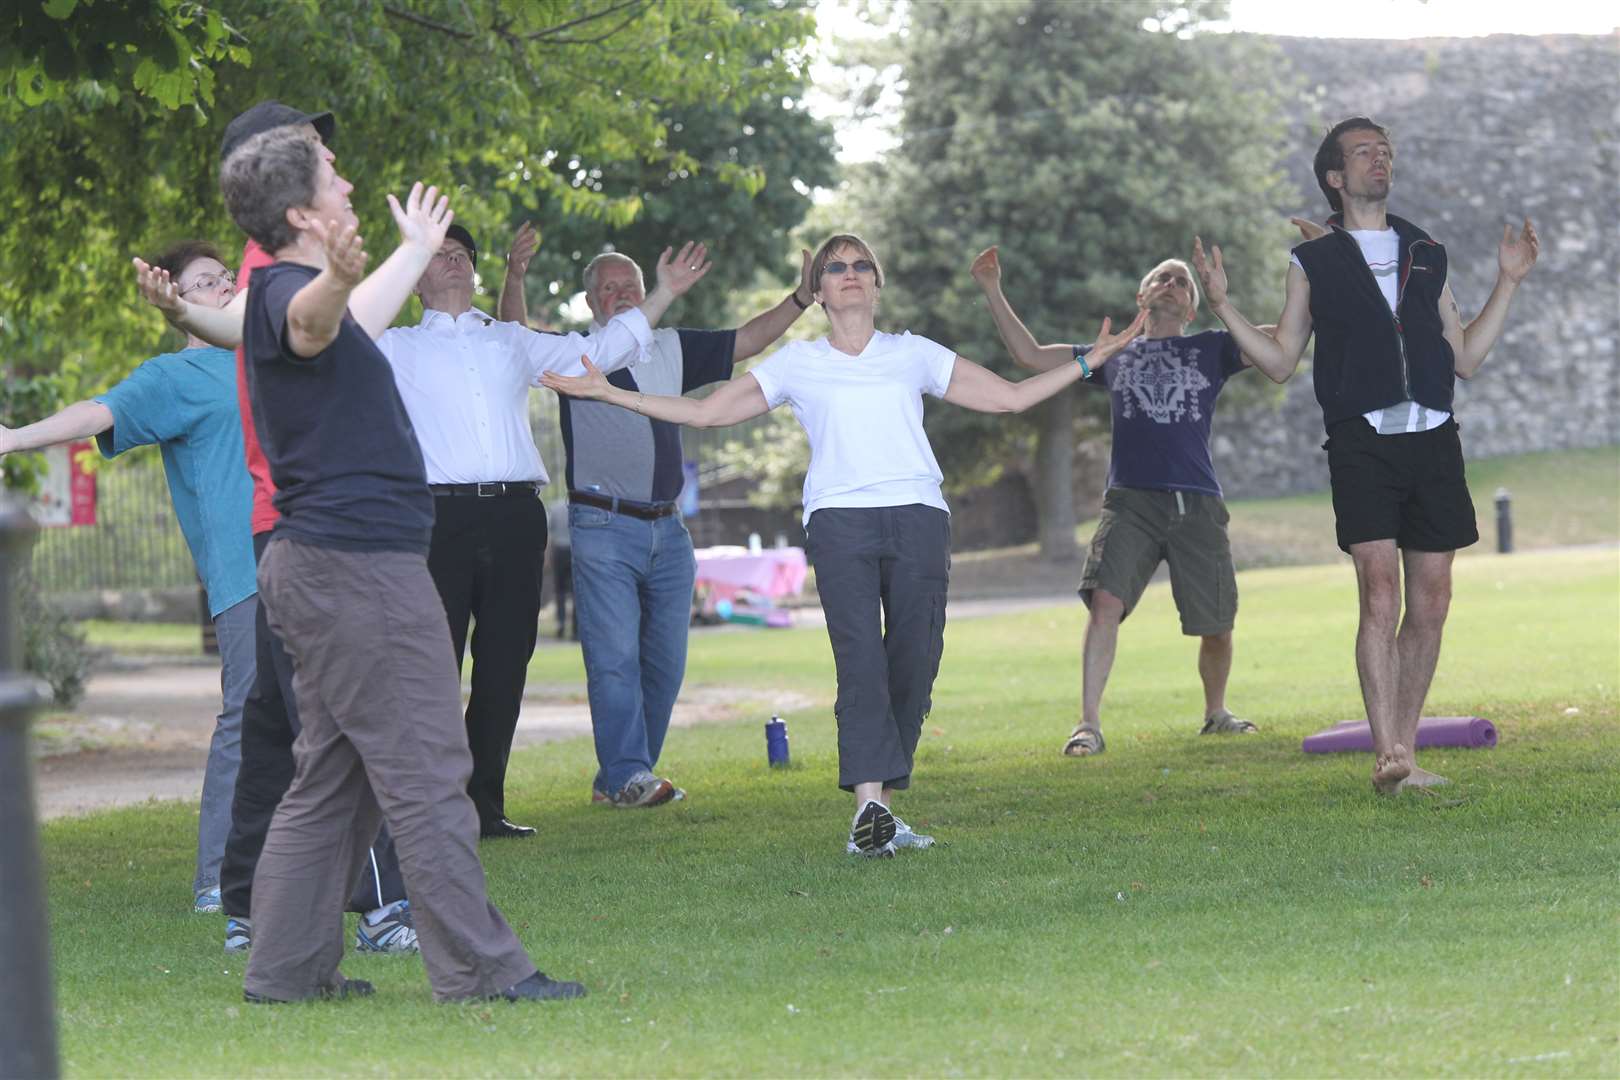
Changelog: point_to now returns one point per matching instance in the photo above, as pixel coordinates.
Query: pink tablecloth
(773, 573)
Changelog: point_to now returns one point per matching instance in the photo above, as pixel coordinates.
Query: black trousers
(882, 573)
(487, 560)
(269, 726)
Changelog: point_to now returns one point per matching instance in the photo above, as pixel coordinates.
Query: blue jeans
(633, 599)
(233, 627)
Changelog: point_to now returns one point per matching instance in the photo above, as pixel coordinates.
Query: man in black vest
(1389, 341)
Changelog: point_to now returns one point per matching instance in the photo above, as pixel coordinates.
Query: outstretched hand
(1516, 255)
(592, 384)
(686, 268)
(1308, 229)
(986, 268)
(1211, 271)
(345, 251)
(424, 217)
(158, 289)
(524, 245)
(1107, 344)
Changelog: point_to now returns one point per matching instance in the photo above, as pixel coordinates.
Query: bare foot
(1390, 769)
(1422, 778)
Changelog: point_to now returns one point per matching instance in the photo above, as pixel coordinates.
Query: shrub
(53, 646)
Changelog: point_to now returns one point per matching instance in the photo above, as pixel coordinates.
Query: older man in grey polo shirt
(633, 565)
(465, 380)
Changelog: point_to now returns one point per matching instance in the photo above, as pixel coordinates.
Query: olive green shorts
(1140, 528)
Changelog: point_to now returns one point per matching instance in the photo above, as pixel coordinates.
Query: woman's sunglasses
(862, 266)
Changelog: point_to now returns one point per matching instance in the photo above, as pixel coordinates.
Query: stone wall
(1486, 131)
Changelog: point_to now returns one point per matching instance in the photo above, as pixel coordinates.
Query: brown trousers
(382, 737)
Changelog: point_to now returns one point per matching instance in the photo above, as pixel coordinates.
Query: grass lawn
(144, 638)
(1179, 906)
(1559, 498)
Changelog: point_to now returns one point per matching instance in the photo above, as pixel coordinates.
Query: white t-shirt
(863, 415)
(1382, 250)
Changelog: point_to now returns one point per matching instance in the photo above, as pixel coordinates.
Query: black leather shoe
(541, 987)
(503, 829)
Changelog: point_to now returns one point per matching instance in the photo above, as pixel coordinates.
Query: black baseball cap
(267, 116)
(463, 237)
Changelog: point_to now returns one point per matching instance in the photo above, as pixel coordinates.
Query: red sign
(67, 493)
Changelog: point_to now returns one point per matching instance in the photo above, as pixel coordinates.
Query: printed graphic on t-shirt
(1381, 248)
(1156, 381)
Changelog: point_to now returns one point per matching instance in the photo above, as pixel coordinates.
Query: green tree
(486, 97)
(1090, 141)
(160, 49)
(757, 168)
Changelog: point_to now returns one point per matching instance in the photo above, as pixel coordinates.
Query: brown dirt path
(141, 733)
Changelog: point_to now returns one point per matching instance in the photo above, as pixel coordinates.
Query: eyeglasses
(862, 266)
(210, 281)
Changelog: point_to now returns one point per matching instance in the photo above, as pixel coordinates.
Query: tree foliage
(1089, 141)
(523, 108)
(757, 169)
(161, 49)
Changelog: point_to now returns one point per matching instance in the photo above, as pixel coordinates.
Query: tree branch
(604, 13)
(595, 40)
(429, 24)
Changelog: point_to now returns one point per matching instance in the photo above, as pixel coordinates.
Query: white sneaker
(872, 832)
(905, 837)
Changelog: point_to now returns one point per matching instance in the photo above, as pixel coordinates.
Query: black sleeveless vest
(1367, 357)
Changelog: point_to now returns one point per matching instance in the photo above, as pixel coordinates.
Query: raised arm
(1276, 353)
(422, 222)
(1026, 352)
(982, 390)
(513, 305)
(1515, 258)
(217, 326)
(735, 401)
(757, 334)
(676, 274)
(80, 420)
(315, 312)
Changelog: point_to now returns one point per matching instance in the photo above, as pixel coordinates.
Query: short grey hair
(595, 264)
(1180, 263)
(263, 178)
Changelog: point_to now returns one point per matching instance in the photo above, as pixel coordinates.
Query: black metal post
(27, 1002)
(1504, 521)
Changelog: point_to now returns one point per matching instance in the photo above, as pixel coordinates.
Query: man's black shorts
(1407, 488)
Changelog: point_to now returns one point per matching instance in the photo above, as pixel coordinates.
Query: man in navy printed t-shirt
(1163, 501)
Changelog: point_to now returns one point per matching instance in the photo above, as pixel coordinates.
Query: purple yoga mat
(1466, 731)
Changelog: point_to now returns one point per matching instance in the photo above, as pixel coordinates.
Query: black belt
(490, 490)
(644, 511)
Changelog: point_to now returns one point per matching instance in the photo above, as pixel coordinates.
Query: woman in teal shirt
(185, 403)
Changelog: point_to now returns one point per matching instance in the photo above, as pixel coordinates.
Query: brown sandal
(1222, 722)
(1085, 742)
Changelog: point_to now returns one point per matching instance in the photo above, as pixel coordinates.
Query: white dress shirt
(465, 382)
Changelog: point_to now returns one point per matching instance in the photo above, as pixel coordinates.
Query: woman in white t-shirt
(877, 525)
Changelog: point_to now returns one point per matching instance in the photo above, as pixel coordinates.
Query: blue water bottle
(776, 743)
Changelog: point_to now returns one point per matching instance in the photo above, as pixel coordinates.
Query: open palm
(1108, 344)
(592, 384)
(424, 217)
(1517, 255)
